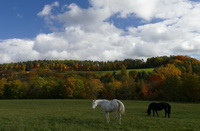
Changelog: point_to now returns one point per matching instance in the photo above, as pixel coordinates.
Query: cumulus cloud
(172, 8)
(14, 50)
(85, 34)
(47, 9)
(142, 8)
(78, 16)
(47, 42)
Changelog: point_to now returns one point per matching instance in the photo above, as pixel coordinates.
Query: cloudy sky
(98, 29)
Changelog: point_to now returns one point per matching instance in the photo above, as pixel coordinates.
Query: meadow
(77, 115)
(100, 73)
(119, 71)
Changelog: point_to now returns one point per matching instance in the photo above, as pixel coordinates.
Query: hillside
(174, 78)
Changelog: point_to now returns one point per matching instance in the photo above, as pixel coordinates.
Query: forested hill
(174, 78)
(87, 65)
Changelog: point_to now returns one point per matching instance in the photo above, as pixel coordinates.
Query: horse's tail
(121, 108)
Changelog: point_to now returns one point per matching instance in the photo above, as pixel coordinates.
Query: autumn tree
(14, 89)
(3, 81)
(128, 90)
(190, 87)
(74, 87)
(145, 90)
(107, 78)
(133, 74)
(111, 90)
(171, 76)
(93, 87)
(153, 87)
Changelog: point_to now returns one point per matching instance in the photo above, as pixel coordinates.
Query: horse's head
(94, 104)
(148, 112)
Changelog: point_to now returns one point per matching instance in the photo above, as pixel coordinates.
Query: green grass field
(77, 115)
(128, 70)
(100, 73)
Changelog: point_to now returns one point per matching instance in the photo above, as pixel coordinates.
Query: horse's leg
(168, 112)
(107, 117)
(156, 112)
(153, 112)
(119, 117)
(165, 112)
(115, 116)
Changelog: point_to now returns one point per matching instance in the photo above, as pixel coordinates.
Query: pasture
(76, 115)
(100, 73)
(128, 70)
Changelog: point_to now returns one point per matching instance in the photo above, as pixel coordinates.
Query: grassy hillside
(49, 115)
(100, 73)
(128, 70)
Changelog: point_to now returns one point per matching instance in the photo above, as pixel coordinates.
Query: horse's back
(152, 105)
(109, 105)
(113, 102)
(159, 106)
(118, 105)
(164, 104)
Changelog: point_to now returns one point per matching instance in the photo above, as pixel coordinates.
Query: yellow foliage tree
(168, 71)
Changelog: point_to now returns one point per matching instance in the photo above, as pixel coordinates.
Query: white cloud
(55, 55)
(78, 16)
(46, 42)
(142, 8)
(47, 9)
(189, 46)
(14, 50)
(86, 33)
(172, 8)
(190, 20)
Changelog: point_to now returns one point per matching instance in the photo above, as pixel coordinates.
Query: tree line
(174, 78)
(75, 65)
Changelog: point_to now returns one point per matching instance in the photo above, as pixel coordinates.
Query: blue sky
(18, 18)
(98, 29)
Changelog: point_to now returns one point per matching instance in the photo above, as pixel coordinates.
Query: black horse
(159, 106)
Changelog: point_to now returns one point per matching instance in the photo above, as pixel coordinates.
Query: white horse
(115, 106)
